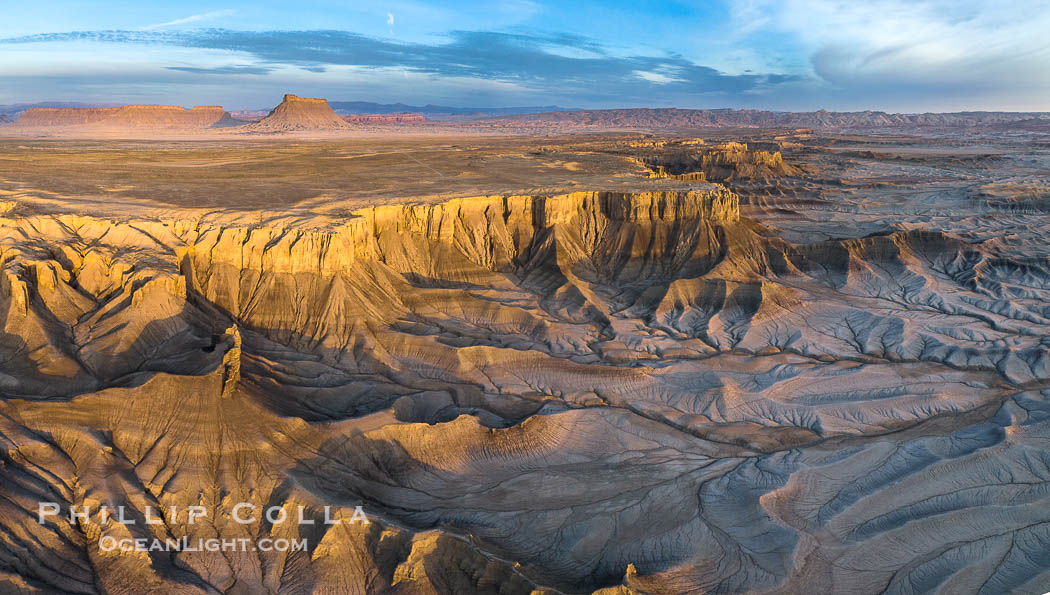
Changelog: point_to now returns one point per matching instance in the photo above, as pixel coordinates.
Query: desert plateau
(637, 362)
(259, 335)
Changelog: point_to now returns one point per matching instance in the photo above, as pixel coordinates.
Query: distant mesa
(727, 162)
(293, 114)
(159, 117)
(298, 114)
(406, 118)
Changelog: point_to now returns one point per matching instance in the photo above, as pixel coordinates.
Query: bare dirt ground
(291, 171)
(628, 362)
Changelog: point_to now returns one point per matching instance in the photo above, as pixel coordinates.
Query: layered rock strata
(634, 392)
(128, 116)
(296, 113)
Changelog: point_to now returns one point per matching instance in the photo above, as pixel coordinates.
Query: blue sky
(894, 55)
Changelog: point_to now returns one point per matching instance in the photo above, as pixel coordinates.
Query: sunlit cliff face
(650, 390)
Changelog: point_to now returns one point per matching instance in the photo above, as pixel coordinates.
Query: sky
(787, 55)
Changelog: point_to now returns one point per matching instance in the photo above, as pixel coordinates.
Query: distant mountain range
(727, 118)
(437, 111)
(559, 117)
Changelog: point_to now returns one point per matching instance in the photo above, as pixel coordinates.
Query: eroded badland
(770, 361)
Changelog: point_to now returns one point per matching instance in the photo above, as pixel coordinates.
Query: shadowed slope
(577, 390)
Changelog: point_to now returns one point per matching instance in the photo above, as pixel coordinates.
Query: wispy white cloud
(519, 58)
(960, 48)
(206, 16)
(896, 55)
(655, 77)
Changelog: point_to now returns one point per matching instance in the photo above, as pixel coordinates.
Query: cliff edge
(297, 114)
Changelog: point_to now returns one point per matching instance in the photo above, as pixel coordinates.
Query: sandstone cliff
(643, 392)
(299, 114)
(720, 163)
(128, 116)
